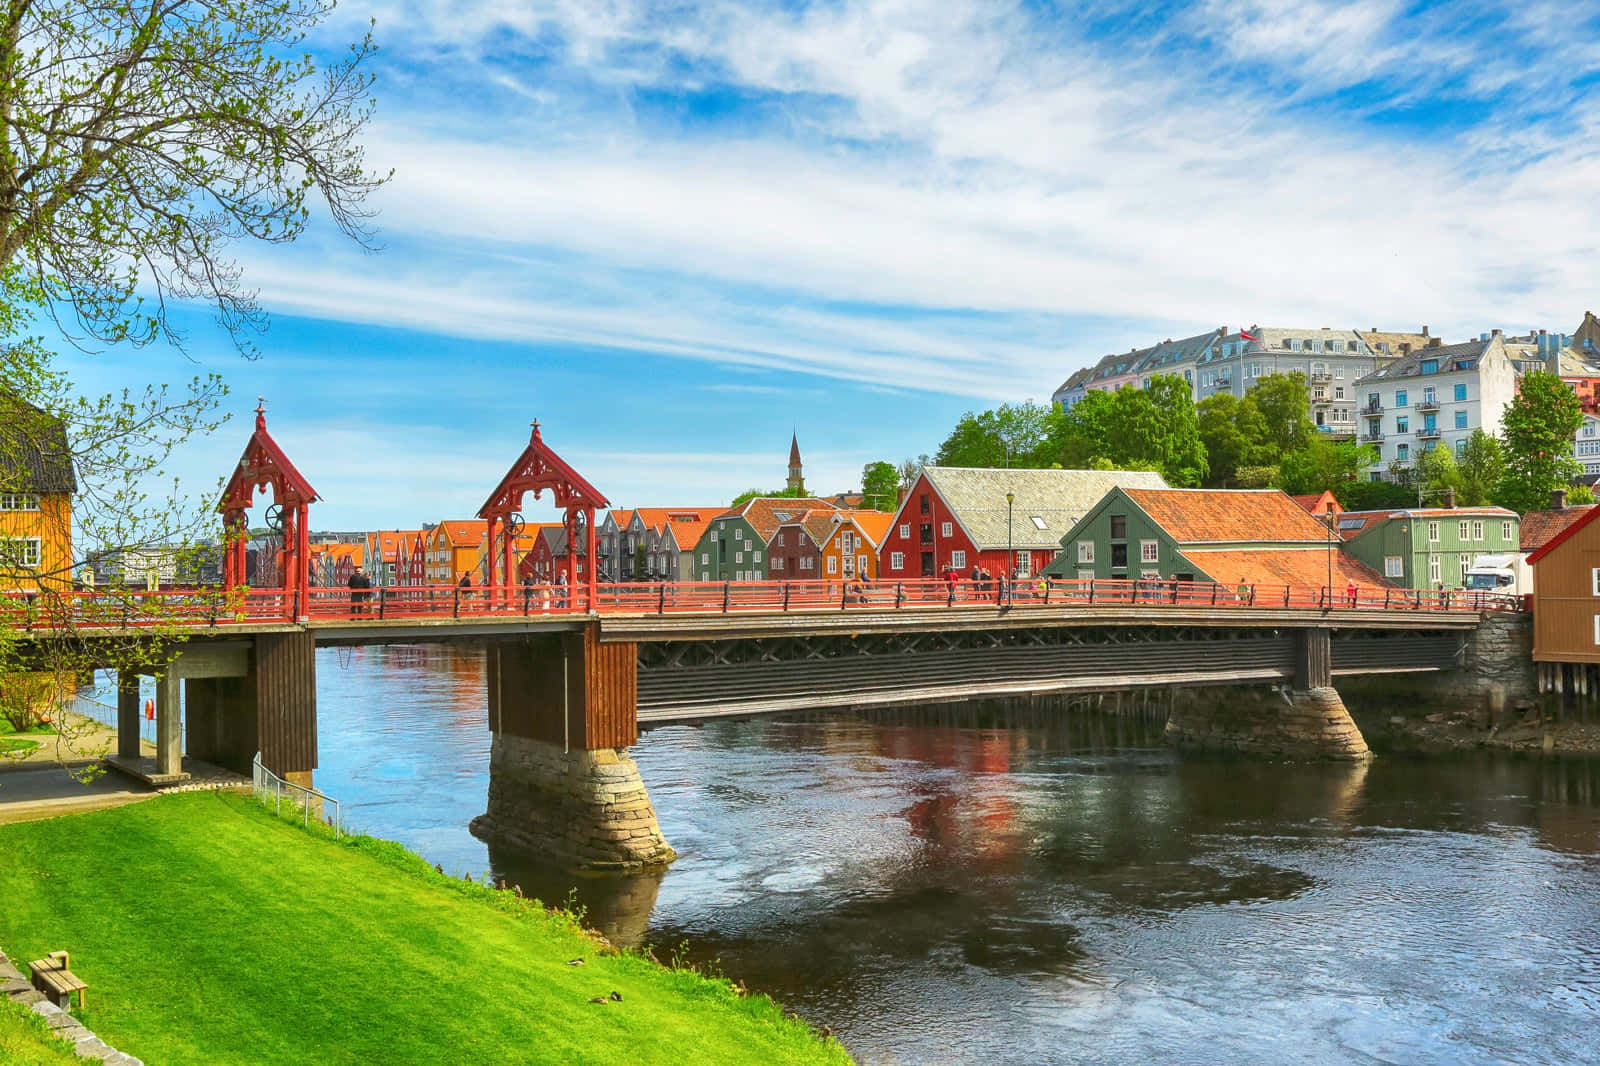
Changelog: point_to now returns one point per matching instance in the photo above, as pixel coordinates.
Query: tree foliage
(1010, 435)
(880, 486)
(1154, 428)
(1539, 425)
(1482, 467)
(1234, 436)
(1436, 475)
(138, 142)
(1323, 465)
(1284, 402)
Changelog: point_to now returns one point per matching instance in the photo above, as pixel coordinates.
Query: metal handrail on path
(211, 608)
(269, 787)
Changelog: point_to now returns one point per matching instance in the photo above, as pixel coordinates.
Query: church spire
(797, 481)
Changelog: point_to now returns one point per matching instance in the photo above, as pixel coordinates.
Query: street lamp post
(1011, 555)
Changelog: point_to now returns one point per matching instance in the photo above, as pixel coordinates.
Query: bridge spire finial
(261, 412)
(536, 437)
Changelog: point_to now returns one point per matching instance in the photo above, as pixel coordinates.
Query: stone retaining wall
(85, 1044)
(1310, 724)
(586, 809)
(1495, 679)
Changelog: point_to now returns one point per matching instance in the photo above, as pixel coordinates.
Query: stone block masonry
(584, 809)
(1286, 723)
(84, 1043)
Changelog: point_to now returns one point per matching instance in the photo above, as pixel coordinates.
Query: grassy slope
(210, 932)
(25, 1040)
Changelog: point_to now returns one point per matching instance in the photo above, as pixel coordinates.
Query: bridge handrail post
(727, 590)
(1091, 590)
(1215, 590)
(899, 593)
(1386, 594)
(455, 608)
(661, 599)
(786, 595)
(381, 600)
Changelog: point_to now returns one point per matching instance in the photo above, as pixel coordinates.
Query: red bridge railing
(206, 607)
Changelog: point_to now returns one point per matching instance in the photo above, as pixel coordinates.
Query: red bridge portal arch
(264, 463)
(537, 469)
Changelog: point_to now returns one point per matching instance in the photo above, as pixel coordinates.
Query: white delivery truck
(1508, 573)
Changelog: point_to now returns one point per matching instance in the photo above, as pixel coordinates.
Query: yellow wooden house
(36, 488)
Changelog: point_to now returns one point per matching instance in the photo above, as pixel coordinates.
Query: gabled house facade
(37, 483)
(453, 551)
(1435, 397)
(1566, 593)
(1429, 548)
(794, 551)
(612, 547)
(958, 517)
(646, 539)
(734, 547)
(672, 555)
(546, 560)
(1231, 537)
(380, 557)
(849, 549)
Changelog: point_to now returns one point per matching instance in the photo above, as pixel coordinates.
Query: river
(946, 889)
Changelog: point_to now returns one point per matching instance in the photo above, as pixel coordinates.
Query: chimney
(900, 495)
(1424, 331)
(1449, 499)
(1435, 342)
(1374, 329)
(1495, 332)
(1558, 499)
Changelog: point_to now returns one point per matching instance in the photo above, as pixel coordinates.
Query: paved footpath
(85, 1044)
(26, 795)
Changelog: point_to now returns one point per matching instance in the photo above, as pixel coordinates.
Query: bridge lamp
(1011, 554)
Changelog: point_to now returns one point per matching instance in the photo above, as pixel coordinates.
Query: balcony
(1320, 375)
(1338, 430)
(1321, 398)
(1372, 407)
(1372, 436)
(1427, 403)
(1429, 433)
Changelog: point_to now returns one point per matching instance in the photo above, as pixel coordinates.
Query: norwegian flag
(1246, 336)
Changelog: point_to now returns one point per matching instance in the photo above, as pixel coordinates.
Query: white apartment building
(1435, 397)
(1586, 444)
(1332, 360)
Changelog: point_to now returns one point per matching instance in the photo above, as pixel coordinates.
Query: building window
(780, 538)
(1433, 569)
(1505, 531)
(777, 562)
(1430, 366)
(1402, 452)
(1461, 392)
(833, 564)
(1433, 532)
(958, 559)
(1466, 564)
(20, 551)
(705, 558)
(1402, 424)
(1597, 629)
(738, 557)
(755, 557)
(1149, 552)
(905, 532)
(1085, 575)
(945, 529)
(1119, 556)
(1119, 527)
(1594, 577)
(922, 503)
(1461, 448)
(897, 560)
(19, 501)
(1461, 418)
(1085, 551)
(1338, 371)
(1477, 531)
(1038, 522)
(1400, 398)
(1461, 529)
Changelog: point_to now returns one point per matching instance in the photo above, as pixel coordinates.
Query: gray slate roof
(34, 455)
(1057, 497)
(1450, 357)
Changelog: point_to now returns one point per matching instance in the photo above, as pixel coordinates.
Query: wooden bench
(52, 977)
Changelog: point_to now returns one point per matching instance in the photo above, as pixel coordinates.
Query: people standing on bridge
(1243, 592)
(358, 583)
(465, 585)
(561, 590)
(1351, 593)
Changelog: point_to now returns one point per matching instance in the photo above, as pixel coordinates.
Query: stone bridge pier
(563, 711)
(1305, 719)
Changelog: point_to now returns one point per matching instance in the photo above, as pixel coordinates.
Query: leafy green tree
(1083, 435)
(1233, 433)
(142, 140)
(1284, 402)
(1010, 435)
(1539, 425)
(1361, 495)
(1436, 474)
(1482, 466)
(1323, 465)
(880, 486)
(768, 494)
(1580, 496)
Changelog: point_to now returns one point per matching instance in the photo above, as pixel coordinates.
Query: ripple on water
(940, 894)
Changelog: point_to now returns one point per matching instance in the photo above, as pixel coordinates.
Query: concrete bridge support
(1304, 720)
(562, 708)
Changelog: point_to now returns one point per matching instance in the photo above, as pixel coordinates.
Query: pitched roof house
(37, 483)
(1228, 536)
(735, 545)
(958, 517)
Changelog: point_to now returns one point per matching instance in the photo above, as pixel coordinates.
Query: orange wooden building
(1566, 594)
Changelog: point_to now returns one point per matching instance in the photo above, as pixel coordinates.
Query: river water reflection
(1070, 891)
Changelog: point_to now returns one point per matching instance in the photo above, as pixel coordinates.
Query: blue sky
(674, 231)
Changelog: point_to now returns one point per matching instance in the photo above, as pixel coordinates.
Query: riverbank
(211, 931)
(1443, 731)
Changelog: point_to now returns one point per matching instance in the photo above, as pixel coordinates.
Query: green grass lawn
(11, 740)
(212, 932)
(25, 1039)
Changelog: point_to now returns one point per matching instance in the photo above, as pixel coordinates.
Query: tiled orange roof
(874, 525)
(656, 517)
(1222, 515)
(622, 518)
(1540, 527)
(1302, 567)
(766, 513)
(387, 542)
(1319, 503)
(819, 525)
(688, 534)
(463, 533)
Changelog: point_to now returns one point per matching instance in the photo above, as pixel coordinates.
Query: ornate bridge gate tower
(562, 706)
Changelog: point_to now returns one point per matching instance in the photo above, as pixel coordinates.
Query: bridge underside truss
(696, 679)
